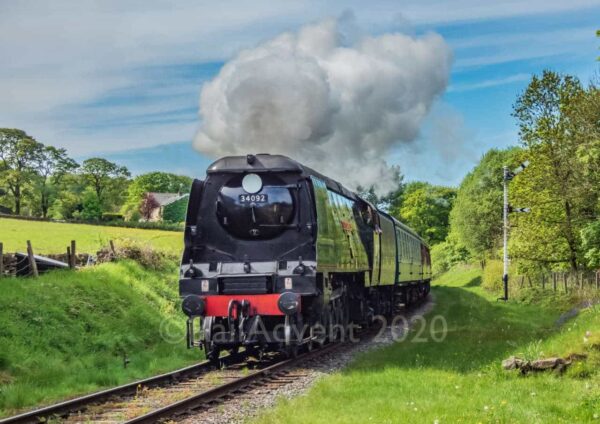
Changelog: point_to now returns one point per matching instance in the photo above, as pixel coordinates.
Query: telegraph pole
(505, 234)
(507, 177)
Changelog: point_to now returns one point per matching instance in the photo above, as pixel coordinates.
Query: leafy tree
(598, 35)
(556, 185)
(67, 205)
(476, 218)
(383, 201)
(99, 173)
(19, 155)
(426, 209)
(52, 164)
(159, 182)
(590, 236)
(176, 211)
(91, 206)
(149, 203)
(446, 254)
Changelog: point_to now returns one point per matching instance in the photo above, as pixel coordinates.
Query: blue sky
(122, 79)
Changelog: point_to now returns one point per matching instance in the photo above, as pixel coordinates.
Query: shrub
(111, 216)
(447, 254)
(440, 260)
(148, 205)
(92, 209)
(492, 275)
(141, 253)
(175, 212)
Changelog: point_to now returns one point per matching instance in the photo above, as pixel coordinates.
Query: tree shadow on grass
(475, 282)
(480, 332)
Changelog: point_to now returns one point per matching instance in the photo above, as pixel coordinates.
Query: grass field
(52, 237)
(67, 333)
(459, 379)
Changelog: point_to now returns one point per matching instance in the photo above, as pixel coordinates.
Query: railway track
(71, 406)
(188, 391)
(184, 391)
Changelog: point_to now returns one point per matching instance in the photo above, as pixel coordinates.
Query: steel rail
(67, 407)
(196, 401)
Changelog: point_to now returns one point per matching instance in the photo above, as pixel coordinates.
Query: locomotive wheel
(212, 353)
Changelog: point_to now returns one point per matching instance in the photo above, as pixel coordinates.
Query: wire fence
(28, 264)
(566, 282)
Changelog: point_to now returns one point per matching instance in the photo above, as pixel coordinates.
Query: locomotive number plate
(254, 198)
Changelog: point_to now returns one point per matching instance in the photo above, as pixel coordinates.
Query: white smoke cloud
(336, 107)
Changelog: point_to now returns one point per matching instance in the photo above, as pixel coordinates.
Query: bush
(141, 253)
(92, 209)
(492, 275)
(166, 226)
(111, 216)
(440, 260)
(176, 211)
(447, 254)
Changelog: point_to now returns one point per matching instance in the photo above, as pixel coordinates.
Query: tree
(476, 217)
(556, 185)
(426, 209)
(147, 206)
(19, 155)
(446, 254)
(598, 35)
(52, 164)
(91, 206)
(99, 172)
(590, 236)
(383, 201)
(159, 182)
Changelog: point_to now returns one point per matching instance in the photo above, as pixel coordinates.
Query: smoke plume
(336, 106)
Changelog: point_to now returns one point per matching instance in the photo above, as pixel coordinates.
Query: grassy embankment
(460, 379)
(53, 237)
(67, 333)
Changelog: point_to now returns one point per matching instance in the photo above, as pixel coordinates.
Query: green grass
(66, 333)
(460, 379)
(53, 237)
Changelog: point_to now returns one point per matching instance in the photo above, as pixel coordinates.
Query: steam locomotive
(278, 256)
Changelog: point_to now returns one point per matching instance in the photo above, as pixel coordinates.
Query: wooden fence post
(1, 260)
(565, 280)
(69, 260)
(32, 264)
(73, 255)
(112, 248)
